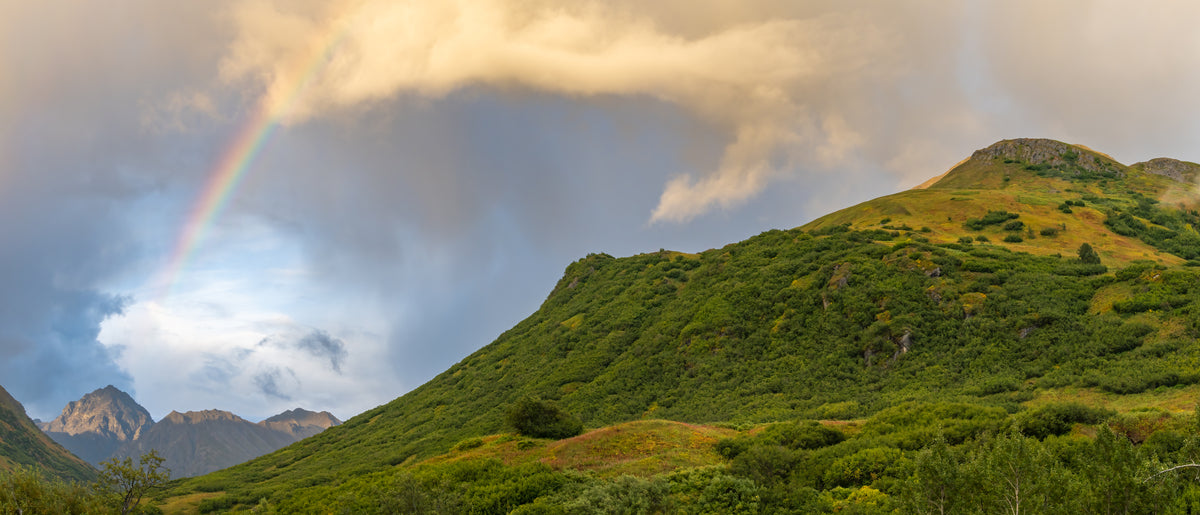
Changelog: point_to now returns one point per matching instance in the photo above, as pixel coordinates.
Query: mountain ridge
(108, 423)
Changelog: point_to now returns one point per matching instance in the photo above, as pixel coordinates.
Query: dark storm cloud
(74, 159)
(320, 344)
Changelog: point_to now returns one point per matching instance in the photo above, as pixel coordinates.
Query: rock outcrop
(1172, 168)
(1036, 151)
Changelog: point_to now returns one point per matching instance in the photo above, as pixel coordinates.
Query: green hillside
(23, 445)
(974, 291)
(1035, 178)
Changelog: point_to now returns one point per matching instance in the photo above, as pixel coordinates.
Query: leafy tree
(937, 483)
(126, 483)
(1113, 473)
(1088, 255)
(540, 419)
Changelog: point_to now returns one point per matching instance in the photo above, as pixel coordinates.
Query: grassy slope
(640, 448)
(22, 444)
(973, 188)
(767, 329)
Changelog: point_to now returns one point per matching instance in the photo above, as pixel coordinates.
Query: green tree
(1087, 255)
(126, 483)
(937, 483)
(1113, 474)
(540, 419)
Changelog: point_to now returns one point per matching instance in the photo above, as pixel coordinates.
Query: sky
(259, 205)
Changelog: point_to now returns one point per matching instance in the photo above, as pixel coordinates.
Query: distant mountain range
(108, 423)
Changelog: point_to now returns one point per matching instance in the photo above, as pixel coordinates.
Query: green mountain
(23, 445)
(1031, 272)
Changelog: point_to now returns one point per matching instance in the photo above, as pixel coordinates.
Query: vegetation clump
(120, 488)
(991, 218)
(540, 419)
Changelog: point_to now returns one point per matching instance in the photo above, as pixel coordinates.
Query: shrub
(540, 419)
(1057, 419)
(991, 218)
(1013, 238)
(1088, 255)
(863, 467)
(1049, 231)
(1015, 225)
(803, 435)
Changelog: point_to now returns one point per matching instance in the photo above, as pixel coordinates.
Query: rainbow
(233, 165)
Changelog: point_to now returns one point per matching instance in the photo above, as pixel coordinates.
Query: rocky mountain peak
(1173, 168)
(107, 412)
(1040, 151)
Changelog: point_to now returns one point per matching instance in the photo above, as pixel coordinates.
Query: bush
(26, 490)
(1015, 225)
(1049, 231)
(1013, 238)
(1057, 419)
(1087, 255)
(991, 218)
(539, 419)
(803, 435)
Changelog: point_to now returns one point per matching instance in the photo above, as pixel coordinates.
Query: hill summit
(1071, 192)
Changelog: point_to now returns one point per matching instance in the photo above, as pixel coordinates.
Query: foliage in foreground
(119, 489)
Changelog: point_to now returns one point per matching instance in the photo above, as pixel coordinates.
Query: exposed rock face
(1048, 152)
(301, 423)
(1172, 168)
(96, 425)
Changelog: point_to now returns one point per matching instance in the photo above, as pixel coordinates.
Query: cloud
(763, 82)
(268, 382)
(1107, 74)
(320, 344)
